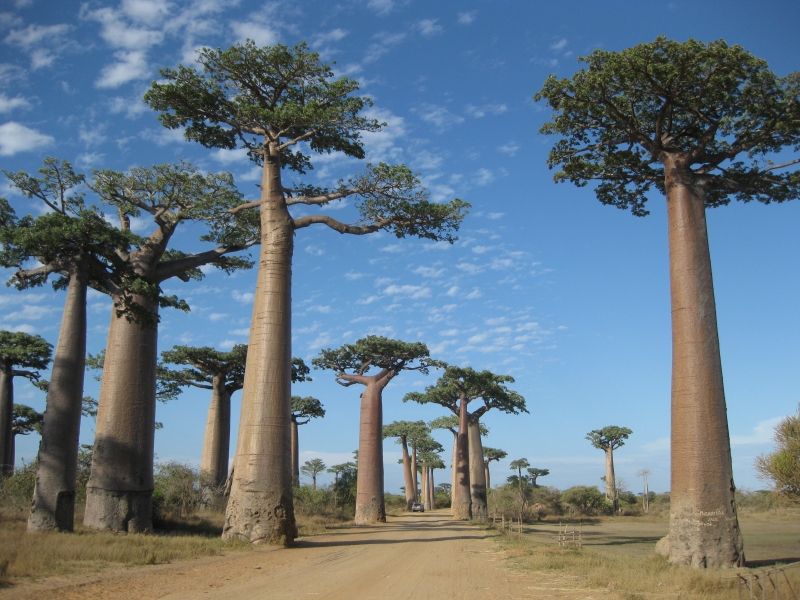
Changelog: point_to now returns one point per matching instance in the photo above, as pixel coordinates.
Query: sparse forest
(695, 124)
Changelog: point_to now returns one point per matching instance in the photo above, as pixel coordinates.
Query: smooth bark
(432, 488)
(704, 528)
(6, 420)
(260, 508)
(453, 474)
(462, 505)
(477, 472)
(414, 470)
(426, 496)
(120, 487)
(411, 493)
(217, 440)
(486, 474)
(53, 505)
(611, 484)
(295, 442)
(370, 507)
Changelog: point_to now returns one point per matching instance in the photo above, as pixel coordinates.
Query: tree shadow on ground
(311, 543)
(770, 562)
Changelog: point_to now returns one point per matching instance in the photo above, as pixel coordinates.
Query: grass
(25, 556)
(618, 556)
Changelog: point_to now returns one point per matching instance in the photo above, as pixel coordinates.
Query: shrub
(587, 500)
(176, 491)
(16, 490)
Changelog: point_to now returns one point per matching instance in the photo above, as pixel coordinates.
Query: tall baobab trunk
(217, 441)
(477, 472)
(704, 528)
(486, 474)
(53, 505)
(6, 420)
(453, 475)
(611, 484)
(370, 507)
(432, 489)
(295, 442)
(462, 505)
(426, 497)
(414, 469)
(119, 494)
(411, 493)
(260, 507)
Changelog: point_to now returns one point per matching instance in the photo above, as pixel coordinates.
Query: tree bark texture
(453, 474)
(295, 441)
(411, 493)
(414, 470)
(488, 480)
(53, 505)
(120, 488)
(462, 505)
(426, 496)
(704, 528)
(432, 490)
(260, 508)
(6, 420)
(477, 473)
(370, 507)
(611, 483)
(217, 440)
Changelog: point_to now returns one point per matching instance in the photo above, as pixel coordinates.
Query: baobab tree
(701, 123)
(275, 102)
(428, 450)
(119, 491)
(450, 422)
(490, 454)
(223, 374)
(609, 439)
(455, 389)
(535, 473)
(21, 355)
(518, 465)
(352, 363)
(312, 468)
(304, 408)
(26, 420)
(77, 249)
(429, 462)
(403, 430)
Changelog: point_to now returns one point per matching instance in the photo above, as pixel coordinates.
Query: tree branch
(339, 226)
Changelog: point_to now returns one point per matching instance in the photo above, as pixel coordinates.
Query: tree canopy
(464, 382)
(609, 438)
(406, 430)
(27, 352)
(205, 364)
(352, 362)
(782, 466)
(714, 110)
(490, 454)
(306, 407)
(26, 420)
(450, 422)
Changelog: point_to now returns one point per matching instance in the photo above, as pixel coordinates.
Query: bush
(177, 490)
(587, 500)
(16, 490)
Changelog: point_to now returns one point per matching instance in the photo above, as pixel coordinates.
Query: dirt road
(416, 556)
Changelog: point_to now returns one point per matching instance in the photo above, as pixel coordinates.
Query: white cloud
(227, 344)
(118, 32)
(481, 249)
(24, 298)
(484, 177)
(428, 27)
(495, 321)
(762, 433)
(214, 317)
(478, 338)
(381, 7)
(243, 331)
(368, 300)
(132, 107)
(8, 104)
(660, 445)
(146, 11)
(452, 291)
(411, 291)
(502, 263)
(436, 349)
(495, 215)
(385, 42)
(470, 268)
(35, 39)
(438, 116)
(559, 45)
(314, 250)
(393, 248)
(428, 271)
(227, 157)
(332, 36)
(475, 293)
(480, 111)
(510, 148)
(87, 160)
(22, 327)
(164, 136)
(323, 339)
(91, 136)
(130, 65)
(15, 138)
(352, 276)
(244, 298)
(31, 313)
(466, 18)
(381, 146)
(258, 31)
(320, 309)
(449, 332)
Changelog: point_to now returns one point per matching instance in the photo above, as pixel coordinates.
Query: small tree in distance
(536, 473)
(518, 465)
(609, 439)
(304, 408)
(781, 467)
(490, 454)
(312, 468)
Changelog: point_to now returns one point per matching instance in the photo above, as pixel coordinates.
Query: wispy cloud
(559, 45)
(466, 18)
(428, 27)
(15, 138)
(438, 116)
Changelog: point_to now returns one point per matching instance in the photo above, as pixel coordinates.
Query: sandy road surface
(415, 556)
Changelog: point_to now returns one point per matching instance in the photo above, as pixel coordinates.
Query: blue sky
(546, 284)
